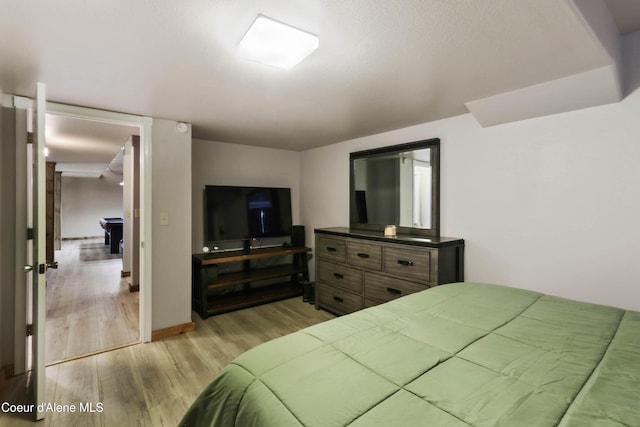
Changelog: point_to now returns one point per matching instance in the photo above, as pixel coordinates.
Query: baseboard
(173, 331)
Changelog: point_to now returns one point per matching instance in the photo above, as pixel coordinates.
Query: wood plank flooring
(154, 384)
(89, 306)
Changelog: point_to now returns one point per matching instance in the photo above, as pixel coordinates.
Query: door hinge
(30, 138)
(29, 330)
(29, 233)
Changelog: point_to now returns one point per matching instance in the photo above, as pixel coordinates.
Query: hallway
(89, 306)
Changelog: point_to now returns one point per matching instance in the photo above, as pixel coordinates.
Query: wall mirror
(397, 185)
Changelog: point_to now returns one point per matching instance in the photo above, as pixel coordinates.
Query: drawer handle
(338, 275)
(338, 299)
(405, 262)
(394, 291)
(331, 249)
(363, 255)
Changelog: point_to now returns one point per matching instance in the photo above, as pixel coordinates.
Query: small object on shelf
(390, 231)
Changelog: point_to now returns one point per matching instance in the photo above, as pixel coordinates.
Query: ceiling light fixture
(276, 44)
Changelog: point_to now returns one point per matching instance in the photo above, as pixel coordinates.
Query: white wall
(84, 201)
(217, 163)
(550, 204)
(171, 254)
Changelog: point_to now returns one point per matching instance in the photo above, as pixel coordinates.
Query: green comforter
(455, 355)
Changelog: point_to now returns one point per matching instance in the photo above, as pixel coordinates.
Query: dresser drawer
(337, 300)
(364, 255)
(333, 249)
(408, 262)
(384, 288)
(340, 275)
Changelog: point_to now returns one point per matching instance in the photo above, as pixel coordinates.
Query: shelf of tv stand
(255, 275)
(244, 255)
(238, 300)
(249, 276)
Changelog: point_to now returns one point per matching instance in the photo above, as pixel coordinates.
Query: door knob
(53, 264)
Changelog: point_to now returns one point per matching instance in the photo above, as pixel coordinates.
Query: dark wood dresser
(357, 269)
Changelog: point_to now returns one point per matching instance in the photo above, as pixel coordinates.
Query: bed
(462, 354)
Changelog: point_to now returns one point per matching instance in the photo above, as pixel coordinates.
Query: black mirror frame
(434, 145)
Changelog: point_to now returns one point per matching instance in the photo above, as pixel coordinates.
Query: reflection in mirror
(397, 185)
(394, 189)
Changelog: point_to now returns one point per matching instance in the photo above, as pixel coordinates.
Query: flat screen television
(246, 213)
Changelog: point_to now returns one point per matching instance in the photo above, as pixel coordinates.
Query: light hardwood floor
(89, 306)
(154, 384)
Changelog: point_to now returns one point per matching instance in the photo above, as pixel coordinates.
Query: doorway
(92, 303)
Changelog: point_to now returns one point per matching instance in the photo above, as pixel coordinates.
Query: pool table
(112, 233)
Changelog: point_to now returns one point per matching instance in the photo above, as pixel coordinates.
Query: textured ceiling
(381, 65)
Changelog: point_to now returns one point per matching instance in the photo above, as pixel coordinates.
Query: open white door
(37, 261)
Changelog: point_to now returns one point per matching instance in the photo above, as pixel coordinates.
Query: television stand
(216, 290)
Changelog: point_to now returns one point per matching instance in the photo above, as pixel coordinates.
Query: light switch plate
(164, 218)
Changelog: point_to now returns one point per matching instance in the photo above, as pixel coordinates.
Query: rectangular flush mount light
(278, 45)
